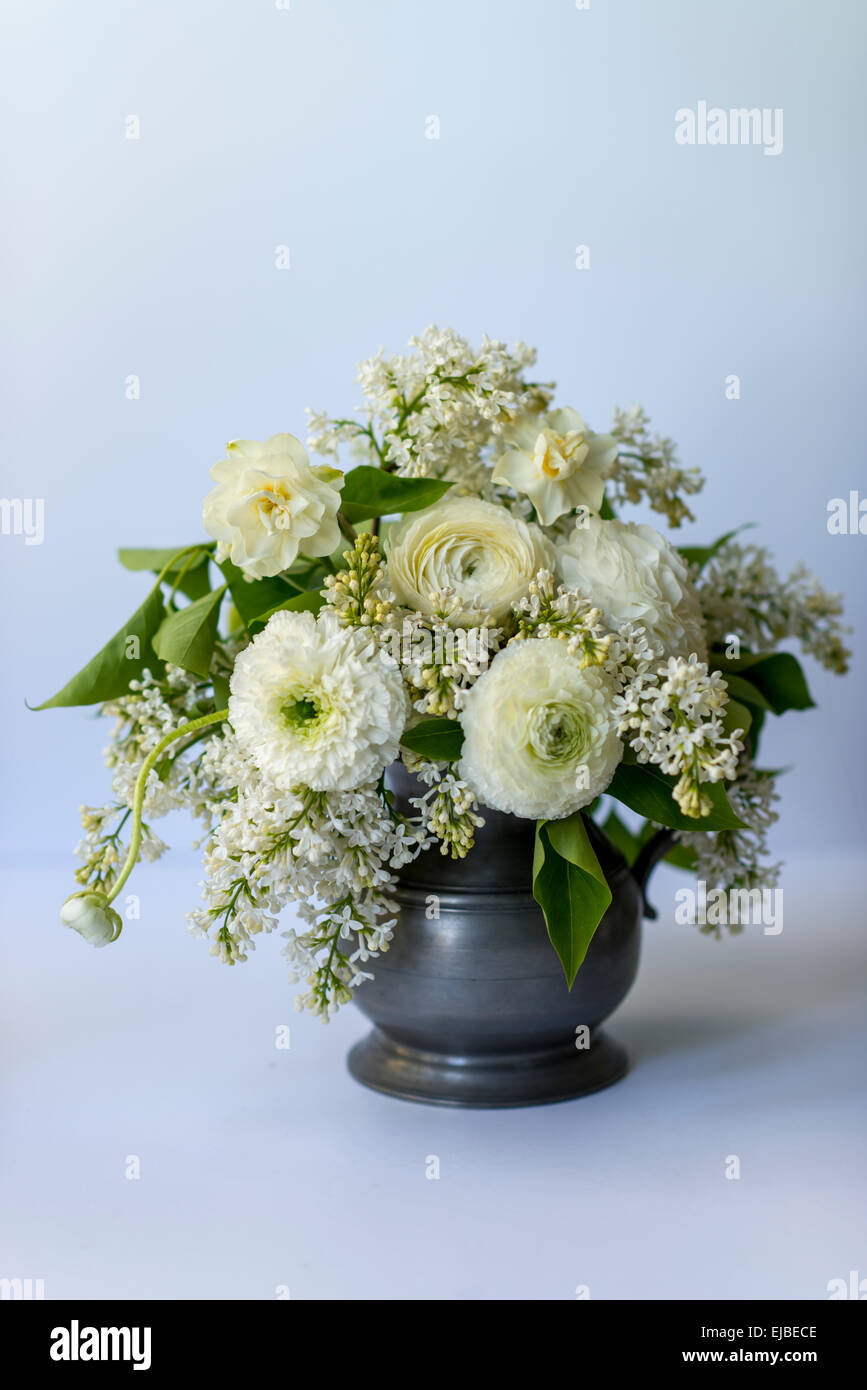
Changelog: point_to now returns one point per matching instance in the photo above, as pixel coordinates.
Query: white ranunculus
(635, 576)
(317, 705)
(269, 504)
(539, 735)
(90, 915)
(482, 552)
(557, 462)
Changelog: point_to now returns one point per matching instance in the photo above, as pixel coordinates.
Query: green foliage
(253, 598)
(643, 788)
(777, 679)
(440, 740)
(188, 636)
(185, 567)
(570, 888)
(369, 492)
(310, 601)
(700, 554)
(123, 659)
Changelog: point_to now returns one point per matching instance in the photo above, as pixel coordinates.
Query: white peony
(90, 915)
(539, 738)
(635, 576)
(269, 504)
(317, 705)
(557, 462)
(479, 550)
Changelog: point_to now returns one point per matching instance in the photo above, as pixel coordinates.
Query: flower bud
(90, 915)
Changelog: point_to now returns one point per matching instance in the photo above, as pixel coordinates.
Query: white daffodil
(557, 462)
(539, 734)
(269, 504)
(634, 575)
(316, 705)
(480, 552)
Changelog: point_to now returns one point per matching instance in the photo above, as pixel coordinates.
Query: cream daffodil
(557, 462)
(269, 504)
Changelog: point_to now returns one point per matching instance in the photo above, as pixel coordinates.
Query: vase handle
(657, 848)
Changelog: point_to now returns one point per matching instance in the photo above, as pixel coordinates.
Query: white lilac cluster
(359, 593)
(741, 593)
(154, 707)
(550, 610)
(434, 411)
(646, 468)
(448, 810)
(672, 715)
(738, 858)
(441, 661)
(333, 853)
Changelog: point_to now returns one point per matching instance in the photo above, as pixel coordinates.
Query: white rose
(557, 461)
(539, 736)
(479, 550)
(269, 504)
(317, 705)
(635, 576)
(90, 915)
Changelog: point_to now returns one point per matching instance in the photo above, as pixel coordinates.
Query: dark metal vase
(469, 1004)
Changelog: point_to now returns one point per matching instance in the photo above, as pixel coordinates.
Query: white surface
(262, 1167)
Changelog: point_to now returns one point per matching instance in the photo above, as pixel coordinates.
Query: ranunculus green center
(301, 712)
(556, 733)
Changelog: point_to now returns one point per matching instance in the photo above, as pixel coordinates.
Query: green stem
(141, 783)
(188, 550)
(346, 527)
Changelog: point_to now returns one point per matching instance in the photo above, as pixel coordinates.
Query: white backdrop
(307, 127)
(260, 126)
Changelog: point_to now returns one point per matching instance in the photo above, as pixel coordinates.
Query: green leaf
(440, 740)
(682, 857)
(187, 638)
(775, 675)
(621, 837)
(737, 716)
(369, 492)
(253, 597)
(122, 659)
(629, 845)
(746, 692)
(643, 788)
(700, 554)
(309, 602)
(221, 691)
(570, 888)
(193, 566)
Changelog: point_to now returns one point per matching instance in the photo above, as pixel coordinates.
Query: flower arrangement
(466, 598)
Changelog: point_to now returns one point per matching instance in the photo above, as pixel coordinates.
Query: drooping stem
(141, 784)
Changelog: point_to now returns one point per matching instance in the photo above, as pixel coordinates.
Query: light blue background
(306, 127)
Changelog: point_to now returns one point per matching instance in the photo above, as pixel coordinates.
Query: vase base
(486, 1082)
